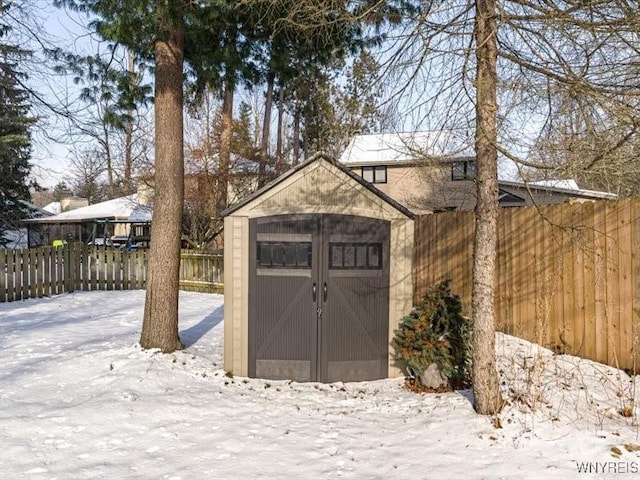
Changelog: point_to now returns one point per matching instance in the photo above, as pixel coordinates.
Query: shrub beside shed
(318, 273)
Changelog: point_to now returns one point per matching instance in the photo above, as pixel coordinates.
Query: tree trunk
(486, 390)
(160, 324)
(296, 134)
(107, 155)
(266, 131)
(128, 140)
(225, 146)
(280, 140)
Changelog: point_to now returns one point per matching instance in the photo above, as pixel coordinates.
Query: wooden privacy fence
(568, 275)
(46, 271)
(201, 272)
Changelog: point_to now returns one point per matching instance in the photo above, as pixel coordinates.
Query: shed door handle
(313, 291)
(324, 291)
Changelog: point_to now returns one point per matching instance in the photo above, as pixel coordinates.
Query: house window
(284, 255)
(377, 174)
(463, 170)
(349, 256)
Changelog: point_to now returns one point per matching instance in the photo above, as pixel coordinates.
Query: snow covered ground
(80, 400)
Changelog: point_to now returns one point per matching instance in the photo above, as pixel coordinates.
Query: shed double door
(319, 298)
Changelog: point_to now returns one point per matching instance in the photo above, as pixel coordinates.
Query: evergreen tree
(60, 191)
(333, 113)
(15, 137)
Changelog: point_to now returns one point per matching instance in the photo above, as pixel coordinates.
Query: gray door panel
(282, 314)
(354, 324)
(341, 332)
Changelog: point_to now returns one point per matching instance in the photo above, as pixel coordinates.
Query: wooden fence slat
(468, 234)
(125, 270)
(544, 279)
(84, 267)
(511, 265)
(93, 268)
(530, 258)
(555, 265)
(578, 275)
(40, 256)
(133, 265)
(11, 276)
(568, 246)
(635, 282)
(108, 267)
(588, 271)
(600, 271)
(612, 301)
(625, 292)
(3, 276)
(24, 274)
(77, 258)
(117, 270)
(46, 271)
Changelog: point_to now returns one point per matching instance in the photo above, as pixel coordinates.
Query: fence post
(69, 268)
(4, 272)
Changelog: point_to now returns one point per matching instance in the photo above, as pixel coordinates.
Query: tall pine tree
(155, 30)
(15, 137)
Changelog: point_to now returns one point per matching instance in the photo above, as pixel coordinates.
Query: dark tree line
(15, 135)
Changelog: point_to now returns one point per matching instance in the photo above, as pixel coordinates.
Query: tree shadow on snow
(467, 394)
(193, 334)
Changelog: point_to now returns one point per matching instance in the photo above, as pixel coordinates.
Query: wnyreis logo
(608, 467)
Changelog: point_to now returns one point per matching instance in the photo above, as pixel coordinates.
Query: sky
(79, 399)
(51, 146)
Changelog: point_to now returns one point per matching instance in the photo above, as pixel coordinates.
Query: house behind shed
(318, 272)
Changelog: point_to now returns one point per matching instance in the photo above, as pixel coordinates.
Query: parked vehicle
(101, 242)
(119, 241)
(125, 242)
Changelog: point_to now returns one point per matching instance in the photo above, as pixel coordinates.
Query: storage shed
(318, 273)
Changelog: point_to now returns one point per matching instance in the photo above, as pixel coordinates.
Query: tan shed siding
(236, 295)
(401, 280)
(319, 186)
(229, 293)
(322, 190)
(243, 369)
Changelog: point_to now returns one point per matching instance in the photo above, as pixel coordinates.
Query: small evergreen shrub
(436, 332)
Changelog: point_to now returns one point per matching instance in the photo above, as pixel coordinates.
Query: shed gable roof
(320, 185)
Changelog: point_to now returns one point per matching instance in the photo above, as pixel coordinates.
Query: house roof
(32, 210)
(319, 157)
(123, 208)
(569, 187)
(406, 147)
(53, 207)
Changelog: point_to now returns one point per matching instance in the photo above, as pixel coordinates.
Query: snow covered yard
(80, 400)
